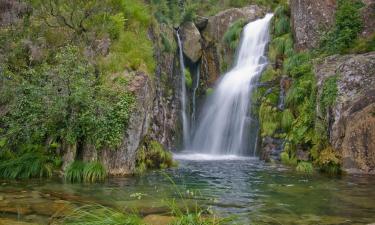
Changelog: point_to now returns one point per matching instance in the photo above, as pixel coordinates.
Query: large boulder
(352, 116)
(191, 39)
(309, 19)
(217, 25)
(217, 56)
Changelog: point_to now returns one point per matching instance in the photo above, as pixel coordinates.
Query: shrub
(328, 161)
(348, 24)
(287, 119)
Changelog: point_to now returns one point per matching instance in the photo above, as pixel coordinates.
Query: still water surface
(250, 190)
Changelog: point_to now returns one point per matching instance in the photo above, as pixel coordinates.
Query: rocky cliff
(352, 116)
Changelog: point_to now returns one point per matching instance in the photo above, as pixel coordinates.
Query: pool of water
(251, 191)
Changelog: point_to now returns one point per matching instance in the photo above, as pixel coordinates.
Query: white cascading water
(183, 98)
(223, 126)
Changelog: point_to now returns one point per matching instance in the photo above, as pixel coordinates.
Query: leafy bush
(348, 24)
(328, 161)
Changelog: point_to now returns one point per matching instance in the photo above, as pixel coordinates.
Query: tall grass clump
(305, 167)
(94, 171)
(74, 172)
(233, 34)
(27, 165)
(79, 171)
(98, 215)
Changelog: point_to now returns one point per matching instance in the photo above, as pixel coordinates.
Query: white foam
(209, 157)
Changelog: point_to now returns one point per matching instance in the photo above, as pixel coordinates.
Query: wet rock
(309, 19)
(158, 220)
(303, 155)
(191, 39)
(368, 18)
(121, 161)
(15, 209)
(55, 208)
(271, 149)
(351, 119)
(4, 221)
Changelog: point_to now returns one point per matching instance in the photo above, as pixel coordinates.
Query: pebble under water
(250, 191)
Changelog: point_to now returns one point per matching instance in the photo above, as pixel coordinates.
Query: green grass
(329, 93)
(94, 171)
(27, 165)
(233, 34)
(91, 172)
(74, 172)
(305, 167)
(98, 215)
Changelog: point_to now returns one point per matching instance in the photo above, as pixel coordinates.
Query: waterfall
(196, 85)
(224, 123)
(183, 97)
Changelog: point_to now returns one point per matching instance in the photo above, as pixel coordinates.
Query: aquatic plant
(98, 215)
(305, 167)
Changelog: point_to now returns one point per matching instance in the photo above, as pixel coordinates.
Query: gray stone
(191, 39)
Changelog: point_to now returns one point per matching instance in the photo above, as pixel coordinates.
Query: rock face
(11, 11)
(191, 39)
(309, 18)
(166, 104)
(368, 18)
(217, 55)
(352, 117)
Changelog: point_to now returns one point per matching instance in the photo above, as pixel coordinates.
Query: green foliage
(94, 171)
(329, 93)
(233, 34)
(74, 172)
(348, 24)
(79, 171)
(167, 46)
(269, 118)
(188, 79)
(288, 160)
(29, 164)
(152, 155)
(287, 119)
(328, 161)
(269, 74)
(98, 215)
(363, 45)
(305, 167)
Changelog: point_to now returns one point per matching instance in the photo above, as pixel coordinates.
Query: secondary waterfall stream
(223, 128)
(183, 96)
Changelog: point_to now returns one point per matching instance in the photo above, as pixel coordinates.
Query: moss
(152, 155)
(188, 79)
(269, 74)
